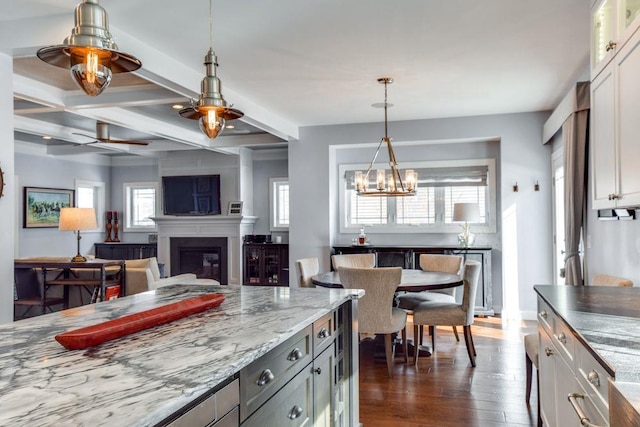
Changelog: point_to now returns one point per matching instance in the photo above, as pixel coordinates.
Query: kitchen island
(593, 333)
(151, 377)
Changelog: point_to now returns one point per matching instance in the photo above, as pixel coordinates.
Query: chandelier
(90, 52)
(211, 109)
(387, 184)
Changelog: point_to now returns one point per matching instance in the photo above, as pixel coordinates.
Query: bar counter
(141, 379)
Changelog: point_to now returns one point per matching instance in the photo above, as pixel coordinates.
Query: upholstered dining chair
(353, 261)
(307, 268)
(376, 315)
(440, 263)
(434, 313)
(606, 280)
(531, 360)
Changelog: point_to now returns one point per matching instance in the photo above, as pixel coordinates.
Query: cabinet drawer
(564, 340)
(545, 316)
(291, 406)
(323, 333)
(264, 377)
(212, 409)
(584, 403)
(593, 378)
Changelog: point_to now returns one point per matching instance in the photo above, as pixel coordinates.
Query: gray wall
(263, 170)
(44, 171)
(523, 158)
(137, 169)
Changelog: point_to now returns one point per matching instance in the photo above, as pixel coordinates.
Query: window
(279, 204)
(440, 186)
(91, 194)
(139, 206)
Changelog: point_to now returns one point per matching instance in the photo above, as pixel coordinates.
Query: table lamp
(76, 219)
(466, 212)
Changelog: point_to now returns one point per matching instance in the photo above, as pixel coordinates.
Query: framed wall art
(42, 206)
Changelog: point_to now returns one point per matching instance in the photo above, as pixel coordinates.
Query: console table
(67, 273)
(409, 257)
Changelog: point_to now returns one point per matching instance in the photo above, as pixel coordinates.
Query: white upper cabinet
(615, 129)
(613, 22)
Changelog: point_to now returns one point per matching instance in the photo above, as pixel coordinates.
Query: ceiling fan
(102, 136)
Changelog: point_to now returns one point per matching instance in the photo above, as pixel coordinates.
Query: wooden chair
(376, 315)
(606, 280)
(531, 359)
(307, 268)
(353, 261)
(28, 293)
(433, 262)
(434, 313)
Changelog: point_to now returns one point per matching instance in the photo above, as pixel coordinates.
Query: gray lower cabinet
(304, 381)
(218, 408)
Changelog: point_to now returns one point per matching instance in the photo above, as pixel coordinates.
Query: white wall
(7, 202)
(523, 158)
(266, 166)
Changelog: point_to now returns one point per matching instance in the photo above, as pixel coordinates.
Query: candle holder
(116, 227)
(108, 226)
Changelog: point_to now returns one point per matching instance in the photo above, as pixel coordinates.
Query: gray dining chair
(376, 315)
(307, 268)
(353, 261)
(434, 313)
(440, 263)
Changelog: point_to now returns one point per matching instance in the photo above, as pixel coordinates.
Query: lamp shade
(466, 212)
(72, 219)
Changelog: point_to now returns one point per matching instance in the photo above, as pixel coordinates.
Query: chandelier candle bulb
(380, 179)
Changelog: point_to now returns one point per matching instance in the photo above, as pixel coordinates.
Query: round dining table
(412, 280)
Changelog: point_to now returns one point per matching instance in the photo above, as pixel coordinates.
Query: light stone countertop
(145, 377)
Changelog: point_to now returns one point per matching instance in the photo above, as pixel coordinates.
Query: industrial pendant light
(391, 184)
(211, 109)
(90, 52)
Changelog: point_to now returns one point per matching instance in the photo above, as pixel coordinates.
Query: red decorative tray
(125, 325)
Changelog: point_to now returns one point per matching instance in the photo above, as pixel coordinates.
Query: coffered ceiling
(291, 63)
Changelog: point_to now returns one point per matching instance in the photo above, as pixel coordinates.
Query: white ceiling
(292, 63)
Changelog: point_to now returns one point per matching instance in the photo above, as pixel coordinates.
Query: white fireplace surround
(232, 227)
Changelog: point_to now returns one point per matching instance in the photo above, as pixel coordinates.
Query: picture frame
(41, 206)
(235, 208)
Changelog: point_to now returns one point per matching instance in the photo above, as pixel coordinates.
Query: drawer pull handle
(594, 378)
(296, 354)
(324, 333)
(561, 337)
(584, 420)
(265, 377)
(548, 351)
(295, 412)
(543, 314)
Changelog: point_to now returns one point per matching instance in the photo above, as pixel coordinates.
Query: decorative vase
(116, 227)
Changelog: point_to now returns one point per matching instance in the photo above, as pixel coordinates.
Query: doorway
(557, 178)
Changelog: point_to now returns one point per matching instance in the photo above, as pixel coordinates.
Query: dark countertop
(607, 320)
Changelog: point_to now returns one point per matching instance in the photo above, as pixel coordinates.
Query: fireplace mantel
(232, 227)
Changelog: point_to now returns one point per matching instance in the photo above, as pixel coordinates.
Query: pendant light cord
(211, 24)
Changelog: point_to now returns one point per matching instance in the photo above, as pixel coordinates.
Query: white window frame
(126, 190)
(488, 227)
(274, 203)
(99, 200)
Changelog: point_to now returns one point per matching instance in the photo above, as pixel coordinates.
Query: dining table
(412, 280)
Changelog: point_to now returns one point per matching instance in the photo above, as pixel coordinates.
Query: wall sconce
(536, 186)
(515, 187)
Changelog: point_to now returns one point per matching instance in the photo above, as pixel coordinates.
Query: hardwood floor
(445, 390)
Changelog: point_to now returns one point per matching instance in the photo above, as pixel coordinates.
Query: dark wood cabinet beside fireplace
(266, 264)
(125, 250)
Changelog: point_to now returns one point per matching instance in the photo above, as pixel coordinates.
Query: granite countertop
(144, 377)
(607, 320)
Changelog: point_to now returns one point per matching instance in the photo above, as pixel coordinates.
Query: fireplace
(206, 257)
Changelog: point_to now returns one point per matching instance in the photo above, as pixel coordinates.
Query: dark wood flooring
(445, 390)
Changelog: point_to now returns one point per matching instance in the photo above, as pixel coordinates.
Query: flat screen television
(191, 195)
